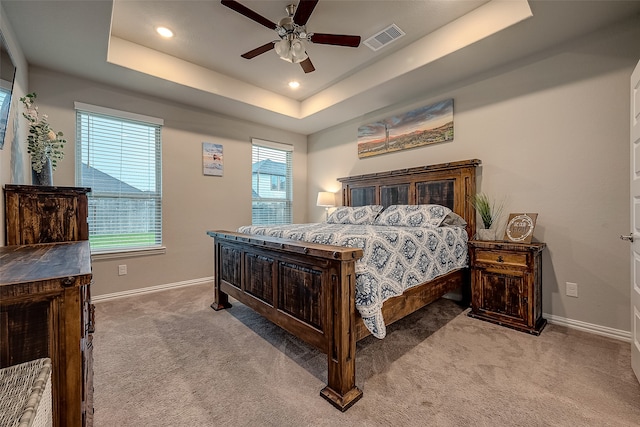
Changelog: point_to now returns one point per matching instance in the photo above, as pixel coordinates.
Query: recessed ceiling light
(294, 85)
(164, 32)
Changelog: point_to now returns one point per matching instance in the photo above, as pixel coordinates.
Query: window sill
(123, 253)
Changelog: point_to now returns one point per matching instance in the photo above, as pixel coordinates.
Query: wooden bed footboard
(307, 289)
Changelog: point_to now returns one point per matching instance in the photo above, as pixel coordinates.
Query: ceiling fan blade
(258, 51)
(303, 11)
(307, 66)
(244, 10)
(336, 39)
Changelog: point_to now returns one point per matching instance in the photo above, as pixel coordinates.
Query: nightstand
(506, 284)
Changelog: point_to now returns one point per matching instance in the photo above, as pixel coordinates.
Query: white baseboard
(604, 331)
(551, 318)
(150, 289)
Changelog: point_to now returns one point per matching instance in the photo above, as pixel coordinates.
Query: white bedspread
(395, 258)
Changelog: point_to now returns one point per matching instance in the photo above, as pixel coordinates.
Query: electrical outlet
(122, 269)
(572, 289)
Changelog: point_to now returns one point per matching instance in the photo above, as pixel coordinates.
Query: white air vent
(384, 37)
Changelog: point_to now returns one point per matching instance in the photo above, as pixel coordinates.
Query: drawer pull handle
(500, 259)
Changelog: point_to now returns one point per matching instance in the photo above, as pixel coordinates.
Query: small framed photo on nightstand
(520, 227)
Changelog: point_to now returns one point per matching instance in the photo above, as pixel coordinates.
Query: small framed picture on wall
(212, 159)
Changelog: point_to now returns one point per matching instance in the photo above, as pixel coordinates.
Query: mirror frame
(7, 80)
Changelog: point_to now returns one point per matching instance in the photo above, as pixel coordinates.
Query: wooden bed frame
(309, 289)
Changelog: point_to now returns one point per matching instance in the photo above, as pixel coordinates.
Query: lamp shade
(326, 199)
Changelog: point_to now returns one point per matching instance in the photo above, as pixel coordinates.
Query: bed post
(341, 390)
(220, 299)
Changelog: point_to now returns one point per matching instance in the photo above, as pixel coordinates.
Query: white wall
(192, 202)
(552, 132)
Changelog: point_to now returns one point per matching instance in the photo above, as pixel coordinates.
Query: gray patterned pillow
(413, 215)
(363, 215)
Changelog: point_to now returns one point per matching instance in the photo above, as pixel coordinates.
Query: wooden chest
(39, 214)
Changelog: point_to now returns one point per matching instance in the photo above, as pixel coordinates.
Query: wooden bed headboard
(448, 184)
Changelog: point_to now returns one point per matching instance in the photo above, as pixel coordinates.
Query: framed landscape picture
(425, 125)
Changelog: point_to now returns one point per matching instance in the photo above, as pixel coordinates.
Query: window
(118, 155)
(271, 183)
(278, 183)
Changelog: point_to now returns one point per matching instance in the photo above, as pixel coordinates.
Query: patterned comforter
(395, 258)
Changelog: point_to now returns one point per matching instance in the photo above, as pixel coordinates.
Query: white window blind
(271, 183)
(118, 155)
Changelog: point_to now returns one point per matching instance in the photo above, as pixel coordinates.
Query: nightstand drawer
(502, 258)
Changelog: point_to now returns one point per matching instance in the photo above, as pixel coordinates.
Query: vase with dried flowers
(44, 145)
(490, 212)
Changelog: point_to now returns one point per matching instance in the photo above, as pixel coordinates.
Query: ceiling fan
(293, 33)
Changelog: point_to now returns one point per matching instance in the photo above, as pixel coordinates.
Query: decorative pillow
(363, 215)
(414, 215)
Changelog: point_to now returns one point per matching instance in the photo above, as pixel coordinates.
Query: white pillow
(359, 215)
(416, 216)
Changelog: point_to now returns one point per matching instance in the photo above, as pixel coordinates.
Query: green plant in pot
(489, 211)
(44, 145)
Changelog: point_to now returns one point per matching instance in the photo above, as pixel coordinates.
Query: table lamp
(326, 200)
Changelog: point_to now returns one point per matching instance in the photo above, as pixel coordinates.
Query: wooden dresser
(506, 284)
(45, 299)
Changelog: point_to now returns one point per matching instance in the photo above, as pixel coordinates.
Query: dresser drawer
(501, 258)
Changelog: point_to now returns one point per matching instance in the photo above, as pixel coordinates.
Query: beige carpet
(167, 359)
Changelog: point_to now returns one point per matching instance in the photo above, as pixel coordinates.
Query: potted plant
(490, 212)
(43, 143)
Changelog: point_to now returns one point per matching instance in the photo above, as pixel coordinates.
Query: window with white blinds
(271, 183)
(118, 155)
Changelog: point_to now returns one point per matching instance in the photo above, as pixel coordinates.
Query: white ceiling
(214, 36)
(446, 41)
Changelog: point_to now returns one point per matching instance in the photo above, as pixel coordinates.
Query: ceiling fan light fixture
(298, 50)
(293, 51)
(283, 48)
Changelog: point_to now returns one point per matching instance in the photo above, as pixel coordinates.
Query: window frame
(283, 183)
(156, 195)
